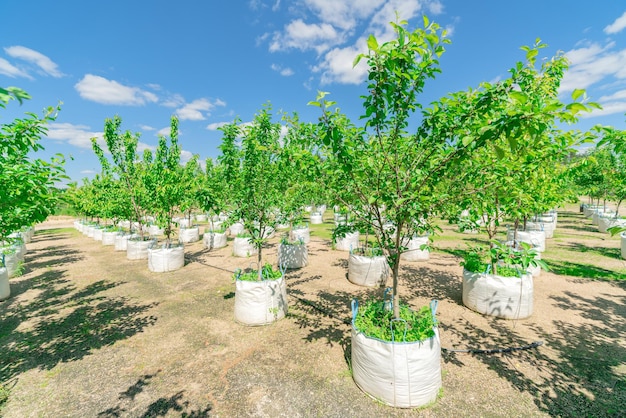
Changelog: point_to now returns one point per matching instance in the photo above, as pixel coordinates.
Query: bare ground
(88, 333)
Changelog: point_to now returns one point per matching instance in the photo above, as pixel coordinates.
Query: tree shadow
(578, 371)
(425, 282)
(63, 323)
(161, 407)
(603, 251)
(325, 315)
(51, 257)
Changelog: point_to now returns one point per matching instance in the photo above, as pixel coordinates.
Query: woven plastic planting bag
(242, 247)
(502, 297)
(166, 259)
(260, 302)
(214, 240)
(367, 271)
(5, 288)
(349, 242)
(414, 251)
(400, 374)
(293, 255)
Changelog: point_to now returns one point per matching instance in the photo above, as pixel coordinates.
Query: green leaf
(499, 152)
(372, 43)
(577, 93)
(519, 97)
(576, 107)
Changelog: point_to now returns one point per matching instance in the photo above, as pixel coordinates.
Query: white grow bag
(536, 239)
(604, 223)
(213, 240)
(97, 234)
(187, 235)
(546, 227)
(121, 241)
(235, 229)
(293, 256)
(183, 223)
(108, 237)
(316, 218)
(349, 242)
(414, 251)
(242, 247)
(367, 271)
(302, 234)
(138, 250)
(154, 230)
(501, 297)
(166, 259)
(5, 288)
(11, 262)
(400, 374)
(260, 303)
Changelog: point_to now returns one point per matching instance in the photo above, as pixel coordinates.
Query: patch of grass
(58, 231)
(324, 230)
(568, 268)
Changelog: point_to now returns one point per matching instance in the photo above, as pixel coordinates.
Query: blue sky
(211, 61)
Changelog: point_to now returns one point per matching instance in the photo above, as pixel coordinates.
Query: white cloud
(617, 26)
(337, 29)
(185, 156)
(593, 64)
(343, 14)
(174, 100)
(34, 57)
(337, 66)
(618, 95)
(146, 128)
(165, 131)
(193, 110)
(142, 146)
(405, 9)
(286, 72)
(80, 136)
(608, 108)
(435, 8)
(87, 172)
(100, 90)
(76, 135)
(8, 69)
(198, 109)
(215, 125)
(305, 36)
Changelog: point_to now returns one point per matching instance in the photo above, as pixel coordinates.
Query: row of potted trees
(494, 152)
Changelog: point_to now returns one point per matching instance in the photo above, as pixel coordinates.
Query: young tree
(125, 166)
(299, 170)
(27, 194)
(515, 176)
(385, 173)
(251, 172)
(165, 179)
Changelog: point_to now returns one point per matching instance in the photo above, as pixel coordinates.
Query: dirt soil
(88, 333)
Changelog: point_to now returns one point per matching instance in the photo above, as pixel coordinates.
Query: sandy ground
(88, 333)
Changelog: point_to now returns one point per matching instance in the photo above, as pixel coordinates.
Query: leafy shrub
(268, 273)
(375, 321)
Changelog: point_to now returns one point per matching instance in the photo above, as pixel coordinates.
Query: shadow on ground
(160, 407)
(49, 320)
(582, 367)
